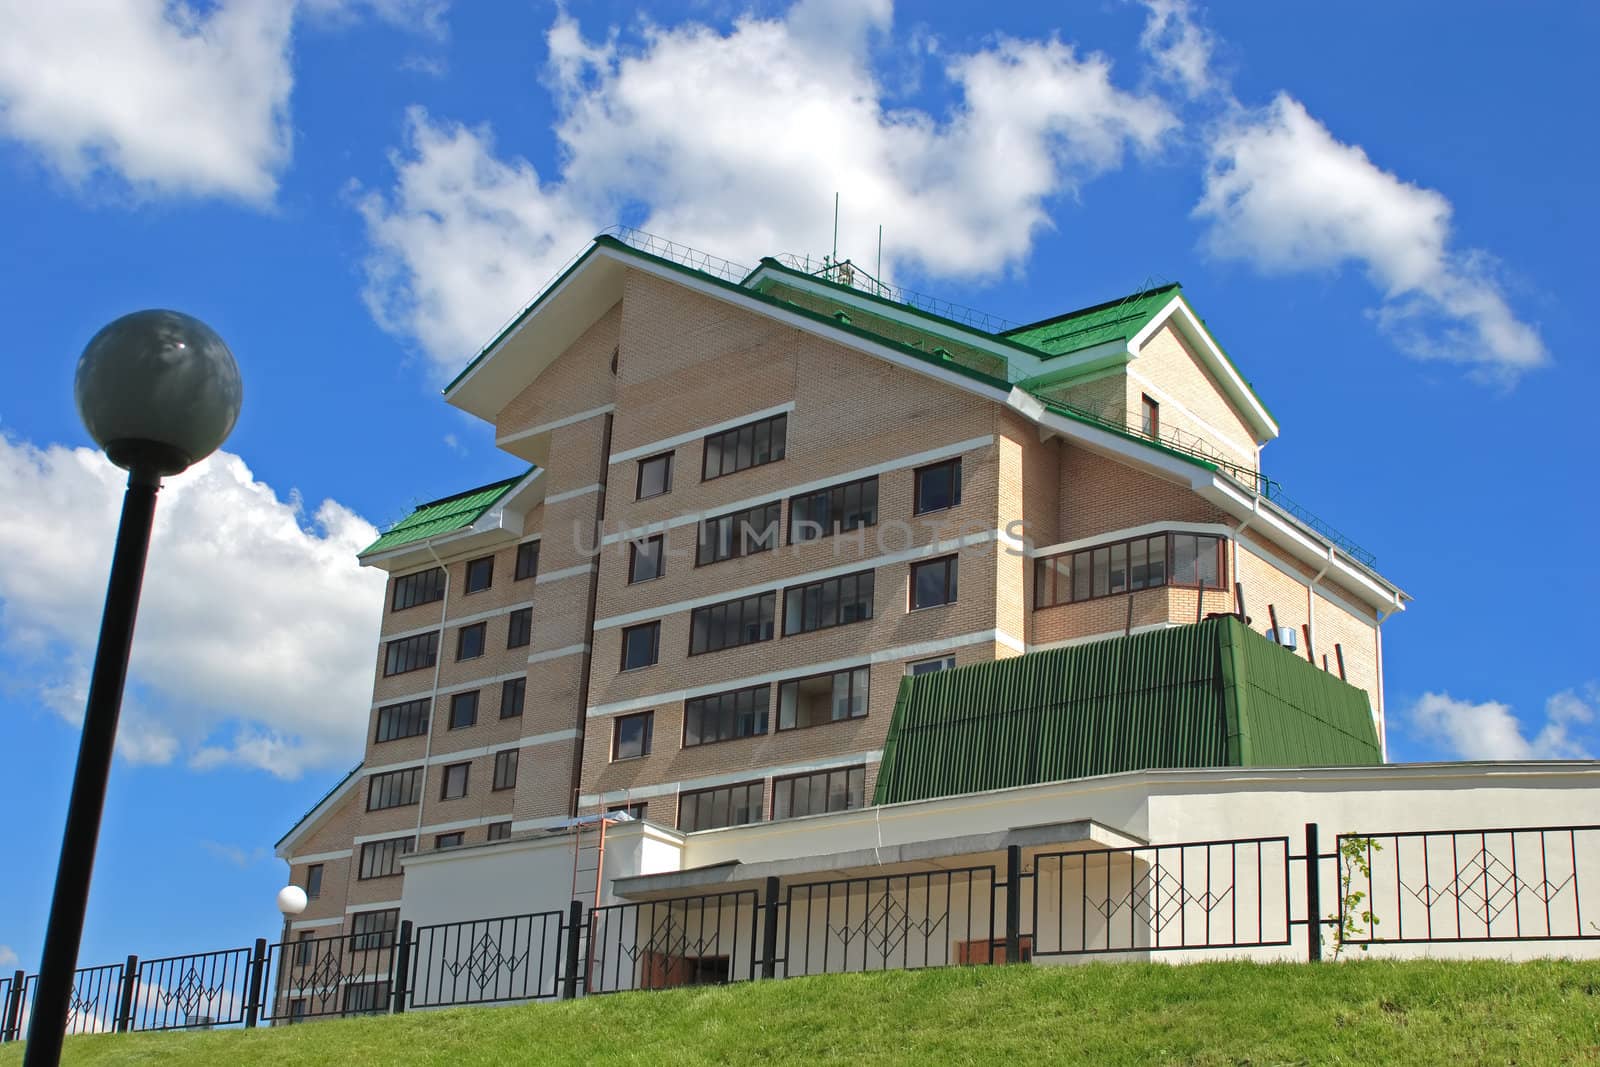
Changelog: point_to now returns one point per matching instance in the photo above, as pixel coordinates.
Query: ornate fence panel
(93, 1007)
(345, 974)
(1525, 884)
(893, 922)
(198, 991)
(1197, 895)
(657, 944)
(11, 1006)
(486, 961)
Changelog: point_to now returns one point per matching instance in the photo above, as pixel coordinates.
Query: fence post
(569, 984)
(1313, 895)
(130, 983)
(252, 1003)
(11, 1019)
(769, 930)
(1013, 903)
(402, 967)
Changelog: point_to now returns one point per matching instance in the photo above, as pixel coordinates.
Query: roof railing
(847, 272)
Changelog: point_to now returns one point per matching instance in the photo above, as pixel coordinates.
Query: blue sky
(1382, 211)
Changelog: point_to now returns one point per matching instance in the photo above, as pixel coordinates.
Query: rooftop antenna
(836, 226)
(877, 274)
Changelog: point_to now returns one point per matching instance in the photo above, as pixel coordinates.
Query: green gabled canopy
(1214, 694)
(1115, 320)
(445, 515)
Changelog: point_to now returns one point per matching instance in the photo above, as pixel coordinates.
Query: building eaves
(445, 515)
(1113, 320)
(312, 811)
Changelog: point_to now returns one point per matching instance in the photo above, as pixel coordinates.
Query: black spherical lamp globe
(159, 391)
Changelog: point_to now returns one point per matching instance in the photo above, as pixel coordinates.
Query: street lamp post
(158, 391)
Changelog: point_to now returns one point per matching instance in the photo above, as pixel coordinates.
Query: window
(641, 645)
(499, 831)
(470, 641)
(646, 559)
(453, 782)
(505, 769)
(464, 710)
(933, 583)
(396, 789)
(480, 574)
(725, 716)
(314, 881)
(750, 445)
(411, 653)
(303, 947)
(373, 930)
(424, 587)
(708, 809)
(938, 487)
(632, 735)
(928, 666)
(519, 628)
(732, 623)
(635, 810)
(366, 998)
(381, 859)
(297, 1011)
(1127, 566)
(527, 561)
(655, 476)
(512, 692)
(823, 698)
(830, 602)
(1149, 416)
(743, 533)
(813, 794)
(836, 510)
(403, 720)
(448, 840)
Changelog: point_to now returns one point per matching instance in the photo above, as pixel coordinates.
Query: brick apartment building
(755, 503)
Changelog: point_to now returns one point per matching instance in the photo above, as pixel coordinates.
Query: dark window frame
(803, 591)
(527, 565)
(866, 699)
(666, 481)
(775, 430)
(505, 779)
(374, 929)
(419, 587)
(655, 645)
(693, 797)
(827, 776)
(1149, 416)
(519, 628)
(408, 718)
(418, 652)
(950, 585)
(660, 543)
(444, 780)
(1047, 576)
(735, 532)
(519, 686)
(646, 737)
(835, 500)
(499, 831)
(381, 783)
(636, 809)
(483, 565)
(479, 628)
(917, 505)
(381, 859)
(758, 610)
(450, 839)
(314, 881)
(462, 699)
(762, 715)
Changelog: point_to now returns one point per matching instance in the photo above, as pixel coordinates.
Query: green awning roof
(1214, 694)
(1115, 320)
(445, 515)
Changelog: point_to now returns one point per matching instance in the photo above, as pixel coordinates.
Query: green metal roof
(1214, 694)
(1115, 320)
(445, 515)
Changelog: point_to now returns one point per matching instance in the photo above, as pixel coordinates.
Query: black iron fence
(1249, 896)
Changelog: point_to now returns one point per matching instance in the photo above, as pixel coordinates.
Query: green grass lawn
(1221, 1013)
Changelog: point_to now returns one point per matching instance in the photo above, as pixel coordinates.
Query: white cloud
(256, 627)
(172, 99)
(8, 958)
(1179, 47)
(1492, 731)
(736, 142)
(237, 856)
(1283, 193)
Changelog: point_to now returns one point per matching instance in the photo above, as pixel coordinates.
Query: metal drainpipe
(1311, 608)
(433, 696)
(1383, 718)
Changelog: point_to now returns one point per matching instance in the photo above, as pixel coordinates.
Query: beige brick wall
(1099, 496)
(578, 380)
(1169, 363)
